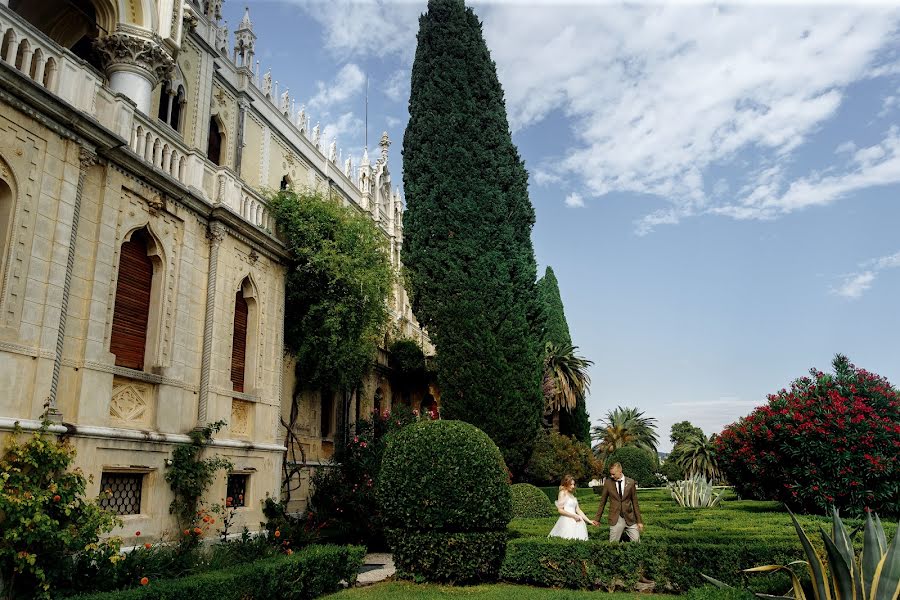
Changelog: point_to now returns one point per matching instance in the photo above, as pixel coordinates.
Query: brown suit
(625, 508)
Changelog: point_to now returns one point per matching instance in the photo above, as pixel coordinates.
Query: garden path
(377, 566)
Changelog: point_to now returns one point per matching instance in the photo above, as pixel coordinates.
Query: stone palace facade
(141, 284)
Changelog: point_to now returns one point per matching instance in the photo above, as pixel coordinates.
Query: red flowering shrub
(343, 502)
(829, 440)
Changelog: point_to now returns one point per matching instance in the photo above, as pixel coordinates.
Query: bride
(571, 524)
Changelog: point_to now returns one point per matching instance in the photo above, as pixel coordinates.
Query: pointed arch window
(244, 338)
(7, 211)
(137, 286)
(216, 144)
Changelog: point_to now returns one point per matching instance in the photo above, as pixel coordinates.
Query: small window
(285, 183)
(236, 489)
(120, 493)
(327, 414)
(215, 144)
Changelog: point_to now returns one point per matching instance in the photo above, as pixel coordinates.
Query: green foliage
(293, 531)
(443, 476)
(696, 455)
(626, 427)
(467, 234)
(688, 541)
(338, 284)
(45, 521)
(189, 475)
(670, 470)
(556, 328)
(711, 592)
(310, 573)
(408, 362)
(873, 575)
(346, 489)
(449, 557)
(636, 464)
(830, 440)
(695, 492)
(529, 502)
(556, 455)
(683, 430)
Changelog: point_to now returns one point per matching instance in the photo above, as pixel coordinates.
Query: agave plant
(873, 575)
(695, 492)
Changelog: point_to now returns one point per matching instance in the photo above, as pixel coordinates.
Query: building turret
(244, 42)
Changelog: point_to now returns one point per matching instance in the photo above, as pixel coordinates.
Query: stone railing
(159, 147)
(46, 63)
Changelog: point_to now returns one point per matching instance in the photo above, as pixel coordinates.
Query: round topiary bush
(529, 502)
(444, 496)
(636, 464)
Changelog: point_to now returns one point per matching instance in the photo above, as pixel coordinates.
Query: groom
(624, 512)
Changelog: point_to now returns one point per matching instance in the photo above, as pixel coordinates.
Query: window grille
(121, 492)
(237, 488)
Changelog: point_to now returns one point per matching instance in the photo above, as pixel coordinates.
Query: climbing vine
(189, 475)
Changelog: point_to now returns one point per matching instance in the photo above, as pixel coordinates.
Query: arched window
(7, 206)
(285, 183)
(377, 401)
(216, 144)
(131, 314)
(239, 346)
(164, 105)
(171, 105)
(178, 103)
(244, 337)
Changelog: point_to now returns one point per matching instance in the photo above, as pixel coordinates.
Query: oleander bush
(636, 464)
(831, 439)
(312, 572)
(530, 502)
(444, 496)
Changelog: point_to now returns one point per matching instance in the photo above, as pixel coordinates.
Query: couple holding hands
(624, 511)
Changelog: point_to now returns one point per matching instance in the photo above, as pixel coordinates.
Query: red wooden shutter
(132, 303)
(239, 349)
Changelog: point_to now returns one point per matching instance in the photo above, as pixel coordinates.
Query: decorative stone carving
(332, 151)
(131, 401)
(121, 50)
(240, 417)
(301, 119)
(285, 101)
(348, 167)
(216, 233)
(384, 143)
(316, 135)
(267, 83)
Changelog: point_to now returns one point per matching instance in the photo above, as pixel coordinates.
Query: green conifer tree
(556, 329)
(467, 234)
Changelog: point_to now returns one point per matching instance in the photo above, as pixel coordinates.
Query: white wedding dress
(567, 527)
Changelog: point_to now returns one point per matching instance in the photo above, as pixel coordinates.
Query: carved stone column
(87, 159)
(216, 235)
(134, 65)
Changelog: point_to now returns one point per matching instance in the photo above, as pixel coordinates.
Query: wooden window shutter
(239, 349)
(132, 303)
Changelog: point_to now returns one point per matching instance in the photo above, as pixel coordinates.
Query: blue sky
(716, 187)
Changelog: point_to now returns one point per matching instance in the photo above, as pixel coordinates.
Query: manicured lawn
(411, 591)
(734, 520)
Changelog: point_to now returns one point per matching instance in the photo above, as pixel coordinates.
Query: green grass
(734, 520)
(501, 591)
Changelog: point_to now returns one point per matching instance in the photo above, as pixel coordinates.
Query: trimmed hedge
(448, 557)
(674, 566)
(636, 464)
(529, 502)
(443, 476)
(309, 573)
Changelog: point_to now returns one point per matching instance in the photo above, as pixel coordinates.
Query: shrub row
(309, 573)
(529, 502)
(448, 557)
(674, 566)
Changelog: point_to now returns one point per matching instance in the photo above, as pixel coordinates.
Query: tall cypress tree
(556, 329)
(467, 234)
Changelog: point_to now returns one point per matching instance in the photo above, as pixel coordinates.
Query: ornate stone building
(141, 285)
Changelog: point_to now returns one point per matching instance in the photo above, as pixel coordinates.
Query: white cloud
(854, 285)
(348, 129)
(658, 95)
(392, 121)
(348, 82)
(574, 200)
(396, 87)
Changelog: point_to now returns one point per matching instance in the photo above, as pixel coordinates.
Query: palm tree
(696, 455)
(625, 427)
(566, 380)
